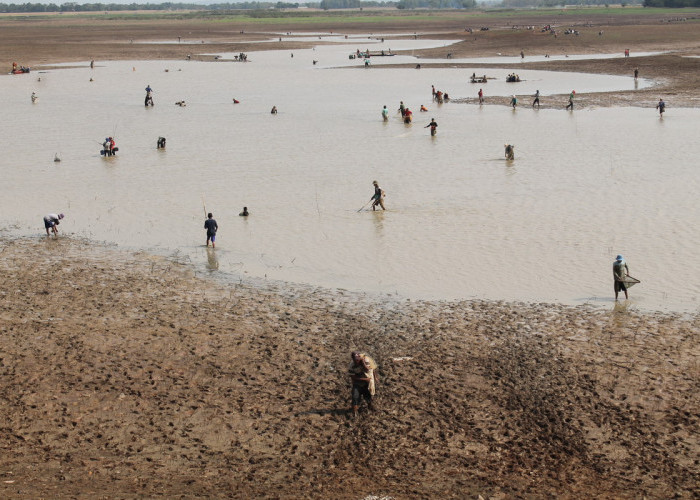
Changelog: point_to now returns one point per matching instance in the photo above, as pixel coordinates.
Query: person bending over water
(510, 152)
(51, 222)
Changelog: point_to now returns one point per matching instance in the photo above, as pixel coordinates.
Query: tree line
(672, 3)
(97, 7)
(322, 4)
(171, 6)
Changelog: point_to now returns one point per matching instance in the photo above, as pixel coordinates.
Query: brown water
(461, 222)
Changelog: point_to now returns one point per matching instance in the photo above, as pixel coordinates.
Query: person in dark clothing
(377, 197)
(661, 107)
(433, 126)
(211, 226)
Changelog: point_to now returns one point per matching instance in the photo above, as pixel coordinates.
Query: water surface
(461, 223)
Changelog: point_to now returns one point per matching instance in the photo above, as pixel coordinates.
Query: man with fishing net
(621, 275)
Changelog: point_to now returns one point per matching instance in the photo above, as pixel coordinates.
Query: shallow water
(461, 223)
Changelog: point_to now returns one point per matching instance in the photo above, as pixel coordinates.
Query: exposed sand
(68, 39)
(122, 375)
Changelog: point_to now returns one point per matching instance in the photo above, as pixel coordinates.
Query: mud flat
(125, 375)
(49, 39)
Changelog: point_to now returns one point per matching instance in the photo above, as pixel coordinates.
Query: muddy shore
(122, 375)
(48, 40)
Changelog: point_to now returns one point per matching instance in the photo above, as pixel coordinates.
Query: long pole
(363, 206)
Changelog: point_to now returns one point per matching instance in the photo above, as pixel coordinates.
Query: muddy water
(461, 222)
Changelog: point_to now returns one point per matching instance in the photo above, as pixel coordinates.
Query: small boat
(20, 71)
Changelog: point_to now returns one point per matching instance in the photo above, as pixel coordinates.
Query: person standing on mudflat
(537, 100)
(212, 227)
(571, 100)
(364, 377)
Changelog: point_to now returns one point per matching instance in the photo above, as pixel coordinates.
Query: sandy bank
(124, 375)
(59, 39)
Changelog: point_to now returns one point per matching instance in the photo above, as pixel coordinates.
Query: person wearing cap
(620, 272)
(212, 227)
(363, 374)
(377, 197)
(50, 223)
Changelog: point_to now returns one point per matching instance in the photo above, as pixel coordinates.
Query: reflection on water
(212, 260)
(461, 222)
